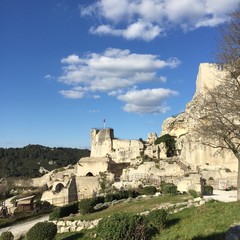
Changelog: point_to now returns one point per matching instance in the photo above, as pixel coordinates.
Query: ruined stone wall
(92, 166)
(87, 187)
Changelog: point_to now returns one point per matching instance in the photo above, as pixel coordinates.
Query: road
(21, 228)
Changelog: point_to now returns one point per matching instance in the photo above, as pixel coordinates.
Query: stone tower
(101, 142)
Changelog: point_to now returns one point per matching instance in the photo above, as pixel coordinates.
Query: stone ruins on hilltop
(130, 163)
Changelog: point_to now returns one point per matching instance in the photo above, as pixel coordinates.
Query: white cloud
(147, 100)
(48, 77)
(74, 94)
(114, 72)
(148, 19)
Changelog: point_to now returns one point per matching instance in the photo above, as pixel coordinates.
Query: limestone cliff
(190, 151)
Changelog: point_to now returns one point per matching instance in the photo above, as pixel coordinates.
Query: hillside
(26, 161)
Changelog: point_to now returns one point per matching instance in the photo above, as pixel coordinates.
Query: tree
(217, 112)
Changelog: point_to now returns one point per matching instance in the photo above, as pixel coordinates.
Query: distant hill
(26, 161)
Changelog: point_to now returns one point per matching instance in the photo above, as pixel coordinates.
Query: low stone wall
(74, 226)
(78, 225)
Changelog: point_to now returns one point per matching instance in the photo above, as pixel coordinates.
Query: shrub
(6, 236)
(169, 189)
(121, 195)
(149, 190)
(123, 226)
(42, 231)
(87, 205)
(193, 193)
(207, 190)
(158, 218)
(64, 211)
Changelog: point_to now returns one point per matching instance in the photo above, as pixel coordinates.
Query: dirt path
(21, 228)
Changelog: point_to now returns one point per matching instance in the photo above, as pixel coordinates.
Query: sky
(66, 66)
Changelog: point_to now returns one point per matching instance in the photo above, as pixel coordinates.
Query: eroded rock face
(190, 151)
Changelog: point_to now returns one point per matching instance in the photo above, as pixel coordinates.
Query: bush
(121, 195)
(64, 211)
(149, 190)
(87, 205)
(42, 231)
(193, 193)
(207, 190)
(123, 226)
(158, 218)
(6, 236)
(169, 189)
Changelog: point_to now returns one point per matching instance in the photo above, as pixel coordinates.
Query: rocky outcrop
(189, 149)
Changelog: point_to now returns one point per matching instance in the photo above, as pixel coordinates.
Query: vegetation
(123, 226)
(6, 236)
(25, 162)
(193, 193)
(158, 218)
(64, 211)
(134, 206)
(219, 107)
(170, 143)
(207, 190)
(169, 188)
(207, 222)
(148, 190)
(42, 231)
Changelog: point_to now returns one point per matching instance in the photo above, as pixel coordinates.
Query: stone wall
(92, 166)
(87, 187)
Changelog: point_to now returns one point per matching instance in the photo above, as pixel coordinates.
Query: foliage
(42, 231)
(148, 190)
(25, 162)
(207, 190)
(170, 143)
(64, 211)
(216, 111)
(158, 218)
(87, 205)
(6, 236)
(169, 188)
(121, 195)
(123, 226)
(193, 193)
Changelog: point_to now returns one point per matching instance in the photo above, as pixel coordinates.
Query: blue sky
(66, 65)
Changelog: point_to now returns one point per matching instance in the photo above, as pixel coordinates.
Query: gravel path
(223, 196)
(21, 228)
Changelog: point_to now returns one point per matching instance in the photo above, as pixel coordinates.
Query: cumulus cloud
(147, 100)
(114, 72)
(148, 19)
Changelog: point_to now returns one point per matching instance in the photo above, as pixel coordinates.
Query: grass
(135, 206)
(207, 222)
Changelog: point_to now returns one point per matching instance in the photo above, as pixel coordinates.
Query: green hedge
(169, 188)
(148, 190)
(87, 205)
(6, 236)
(121, 195)
(64, 211)
(207, 190)
(123, 226)
(158, 218)
(42, 231)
